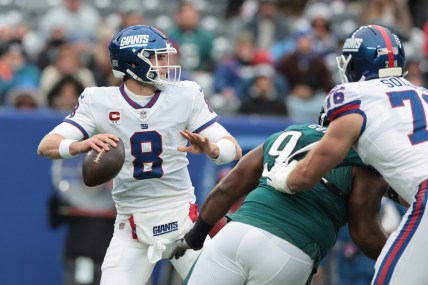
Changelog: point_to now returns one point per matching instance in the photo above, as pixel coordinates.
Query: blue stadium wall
(30, 250)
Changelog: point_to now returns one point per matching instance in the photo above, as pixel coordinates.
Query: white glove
(278, 175)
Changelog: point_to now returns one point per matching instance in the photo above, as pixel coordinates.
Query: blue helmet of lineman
(135, 52)
(371, 52)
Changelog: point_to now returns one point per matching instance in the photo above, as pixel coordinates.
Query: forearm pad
(196, 236)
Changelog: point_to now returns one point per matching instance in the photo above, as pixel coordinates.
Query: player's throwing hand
(198, 144)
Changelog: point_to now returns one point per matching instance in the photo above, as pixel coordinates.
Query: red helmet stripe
(388, 44)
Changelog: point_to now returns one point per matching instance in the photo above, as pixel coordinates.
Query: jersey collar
(134, 104)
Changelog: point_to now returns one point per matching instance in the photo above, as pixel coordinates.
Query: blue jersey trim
(85, 134)
(125, 96)
(206, 125)
(154, 99)
(335, 112)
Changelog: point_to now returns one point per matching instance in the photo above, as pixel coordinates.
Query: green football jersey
(310, 220)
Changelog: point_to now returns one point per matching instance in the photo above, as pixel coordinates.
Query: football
(99, 168)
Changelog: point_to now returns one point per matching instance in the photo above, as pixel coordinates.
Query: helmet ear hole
(152, 75)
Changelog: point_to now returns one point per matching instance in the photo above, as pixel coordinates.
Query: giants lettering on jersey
(352, 44)
(140, 40)
(165, 228)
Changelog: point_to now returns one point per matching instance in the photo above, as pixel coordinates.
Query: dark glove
(179, 248)
(194, 239)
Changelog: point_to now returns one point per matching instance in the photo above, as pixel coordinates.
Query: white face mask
(161, 71)
(342, 64)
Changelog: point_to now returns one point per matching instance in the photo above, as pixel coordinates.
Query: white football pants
(126, 261)
(243, 254)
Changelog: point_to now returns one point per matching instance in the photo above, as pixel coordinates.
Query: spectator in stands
(268, 25)
(238, 13)
(414, 72)
(309, 79)
(263, 96)
(425, 51)
(324, 41)
(281, 48)
(79, 20)
(26, 98)
(15, 69)
(233, 8)
(15, 28)
(195, 43)
(66, 63)
(99, 62)
(234, 71)
(48, 55)
(131, 14)
(390, 13)
(185, 74)
(418, 9)
(425, 48)
(65, 94)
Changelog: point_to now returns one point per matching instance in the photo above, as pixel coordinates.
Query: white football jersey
(155, 174)
(394, 136)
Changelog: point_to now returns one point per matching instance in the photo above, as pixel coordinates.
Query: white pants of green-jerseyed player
(243, 254)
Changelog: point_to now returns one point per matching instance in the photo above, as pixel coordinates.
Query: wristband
(197, 235)
(227, 151)
(392, 194)
(64, 148)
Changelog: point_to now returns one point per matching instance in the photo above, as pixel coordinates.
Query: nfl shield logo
(121, 226)
(143, 115)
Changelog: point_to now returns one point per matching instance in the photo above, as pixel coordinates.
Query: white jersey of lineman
(394, 137)
(154, 175)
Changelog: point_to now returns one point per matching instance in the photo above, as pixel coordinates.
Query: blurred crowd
(252, 57)
(264, 57)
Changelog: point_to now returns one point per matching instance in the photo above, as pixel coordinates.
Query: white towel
(156, 251)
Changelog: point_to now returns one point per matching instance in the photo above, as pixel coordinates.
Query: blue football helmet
(143, 53)
(371, 52)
